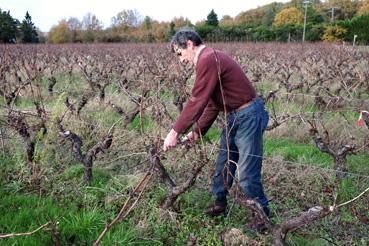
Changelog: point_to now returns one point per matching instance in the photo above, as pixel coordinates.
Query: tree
(92, 27)
(359, 26)
(8, 27)
(268, 18)
(288, 16)
(344, 9)
(171, 31)
(226, 21)
(28, 32)
(315, 32)
(263, 15)
(91, 22)
(288, 33)
(60, 33)
(263, 33)
(145, 32)
(159, 31)
(75, 26)
(364, 9)
(212, 19)
(313, 16)
(181, 22)
(205, 31)
(126, 19)
(334, 33)
(148, 23)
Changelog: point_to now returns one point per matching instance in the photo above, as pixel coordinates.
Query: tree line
(331, 20)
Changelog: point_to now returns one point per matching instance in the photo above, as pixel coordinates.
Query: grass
(69, 224)
(296, 152)
(213, 135)
(78, 213)
(79, 217)
(308, 154)
(146, 122)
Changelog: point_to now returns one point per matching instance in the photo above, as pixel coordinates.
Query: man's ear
(189, 44)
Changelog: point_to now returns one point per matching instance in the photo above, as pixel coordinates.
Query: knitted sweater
(206, 97)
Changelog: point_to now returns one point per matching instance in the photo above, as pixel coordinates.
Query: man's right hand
(191, 137)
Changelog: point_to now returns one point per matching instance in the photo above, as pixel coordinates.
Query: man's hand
(171, 140)
(192, 137)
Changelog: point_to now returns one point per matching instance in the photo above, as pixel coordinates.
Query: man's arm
(205, 83)
(206, 120)
(200, 129)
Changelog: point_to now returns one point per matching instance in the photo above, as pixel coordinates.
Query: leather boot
(216, 209)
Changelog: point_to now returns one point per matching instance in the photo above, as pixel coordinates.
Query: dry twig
(24, 233)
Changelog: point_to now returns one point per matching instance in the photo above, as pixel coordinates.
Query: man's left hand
(171, 140)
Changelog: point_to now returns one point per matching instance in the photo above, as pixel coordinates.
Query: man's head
(184, 44)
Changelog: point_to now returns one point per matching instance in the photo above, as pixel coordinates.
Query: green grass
(78, 214)
(295, 152)
(146, 122)
(105, 118)
(69, 224)
(296, 239)
(213, 135)
(188, 219)
(299, 153)
(80, 222)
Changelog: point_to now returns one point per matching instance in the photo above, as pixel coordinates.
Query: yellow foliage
(60, 33)
(181, 22)
(333, 33)
(226, 21)
(364, 10)
(288, 16)
(159, 31)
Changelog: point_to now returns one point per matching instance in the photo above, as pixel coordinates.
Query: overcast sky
(46, 13)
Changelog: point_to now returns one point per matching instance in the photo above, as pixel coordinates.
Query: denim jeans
(245, 136)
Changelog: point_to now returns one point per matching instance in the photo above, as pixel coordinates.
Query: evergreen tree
(171, 31)
(269, 17)
(28, 32)
(212, 19)
(314, 17)
(8, 27)
(359, 26)
(148, 23)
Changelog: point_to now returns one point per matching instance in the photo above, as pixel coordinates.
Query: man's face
(186, 55)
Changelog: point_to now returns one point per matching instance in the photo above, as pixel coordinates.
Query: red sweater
(206, 99)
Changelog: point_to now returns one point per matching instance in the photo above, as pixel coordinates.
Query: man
(245, 114)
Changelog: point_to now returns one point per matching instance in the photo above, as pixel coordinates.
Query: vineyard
(82, 160)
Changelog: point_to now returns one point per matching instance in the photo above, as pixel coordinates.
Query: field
(82, 129)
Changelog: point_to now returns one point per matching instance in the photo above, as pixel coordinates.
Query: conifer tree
(212, 19)
(28, 33)
(8, 27)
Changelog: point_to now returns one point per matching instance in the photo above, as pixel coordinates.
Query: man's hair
(182, 36)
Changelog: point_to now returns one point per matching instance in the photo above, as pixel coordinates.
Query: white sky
(46, 13)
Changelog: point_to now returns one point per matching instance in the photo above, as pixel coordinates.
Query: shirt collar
(198, 53)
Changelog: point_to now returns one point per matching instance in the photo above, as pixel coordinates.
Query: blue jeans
(245, 136)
